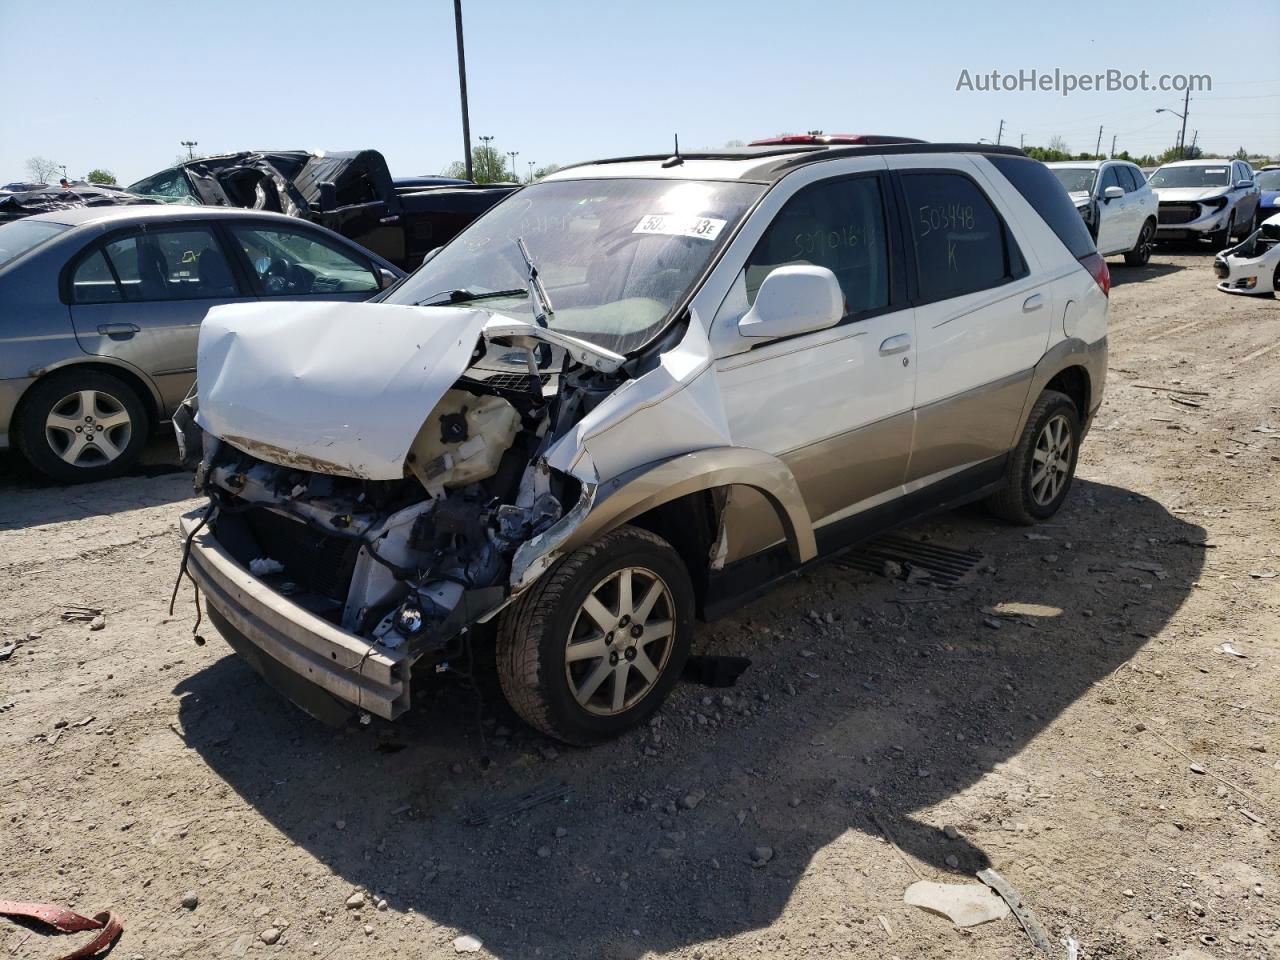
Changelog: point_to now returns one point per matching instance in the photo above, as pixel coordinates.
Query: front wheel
(1043, 463)
(1221, 239)
(1141, 253)
(595, 646)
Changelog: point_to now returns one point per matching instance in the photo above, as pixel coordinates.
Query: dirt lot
(1100, 750)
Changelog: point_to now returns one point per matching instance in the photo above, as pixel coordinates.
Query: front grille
(505, 381)
(317, 561)
(1178, 212)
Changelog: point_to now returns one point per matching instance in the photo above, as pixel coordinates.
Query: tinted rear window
(1041, 189)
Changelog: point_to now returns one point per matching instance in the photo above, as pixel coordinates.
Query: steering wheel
(278, 276)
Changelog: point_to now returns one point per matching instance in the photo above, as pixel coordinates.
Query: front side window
(615, 255)
(1130, 178)
(839, 225)
(292, 263)
(186, 264)
(961, 244)
(1110, 178)
(1206, 175)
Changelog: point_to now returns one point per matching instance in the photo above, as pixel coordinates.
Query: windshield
(19, 236)
(1076, 179)
(615, 256)
(1207, 176)
(1268, 180)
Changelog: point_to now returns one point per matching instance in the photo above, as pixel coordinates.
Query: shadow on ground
(29, 499)
(892, 708)
(1122, 273)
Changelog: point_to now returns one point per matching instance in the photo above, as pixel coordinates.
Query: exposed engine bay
(406, 561)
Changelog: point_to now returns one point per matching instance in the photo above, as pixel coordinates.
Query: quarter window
(291, 263)
(839, 225)
(183, 264)
(961, 244)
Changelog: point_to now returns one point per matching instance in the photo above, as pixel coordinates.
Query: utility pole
(1000, 133)
(1022, 141)
(513, 154)
(191, 146)
(1097, 151)
(1194, 137)
(530, 180)
(1182, 137)
(1113, 147)
(462, 88)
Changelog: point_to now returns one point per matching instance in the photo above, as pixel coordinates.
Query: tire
(1141, 252)
(1027, 497)
(1251, 226)
(576, 701)
(1221, 239)
(82, 425)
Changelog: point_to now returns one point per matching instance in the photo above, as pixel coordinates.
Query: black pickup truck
(350, 192)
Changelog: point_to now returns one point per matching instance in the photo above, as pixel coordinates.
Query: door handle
(895, 344)
(118, 329)
(1032, 303)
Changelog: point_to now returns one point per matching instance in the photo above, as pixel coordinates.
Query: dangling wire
(182, 570)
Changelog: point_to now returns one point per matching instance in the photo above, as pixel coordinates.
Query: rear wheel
(1141, 253)
(595, 646)
(1043, 464)
(82, 425)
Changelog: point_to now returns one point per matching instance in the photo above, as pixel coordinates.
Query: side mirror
(385, 278)
(1245, 184)
(792, 300)
(1113, 193)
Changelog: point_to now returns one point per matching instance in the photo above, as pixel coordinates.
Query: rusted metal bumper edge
(345, 665)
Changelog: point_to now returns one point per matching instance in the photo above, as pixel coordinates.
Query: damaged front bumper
(359, 673)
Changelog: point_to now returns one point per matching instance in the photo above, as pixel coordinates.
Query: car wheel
(1251, 226)
(1141, 252)
(78, 426)
(1221, 239)
(596, 644)
(1043, 463)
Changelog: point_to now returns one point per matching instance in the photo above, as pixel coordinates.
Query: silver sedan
(101, 308)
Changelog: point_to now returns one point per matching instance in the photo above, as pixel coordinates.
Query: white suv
(1211, 199)
(1116, 204)
(631, 395)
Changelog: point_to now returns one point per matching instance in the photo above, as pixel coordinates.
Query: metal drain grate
(944, 565)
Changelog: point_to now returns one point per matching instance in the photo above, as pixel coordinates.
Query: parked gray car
(101, 310)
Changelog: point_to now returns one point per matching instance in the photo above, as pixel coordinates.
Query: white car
(1211, 199)
(1252, 267)
(632, 394)
(1115, 202)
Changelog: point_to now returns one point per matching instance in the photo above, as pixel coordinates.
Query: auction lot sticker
(675, 225)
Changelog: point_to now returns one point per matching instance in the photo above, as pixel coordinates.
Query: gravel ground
(1097, 748)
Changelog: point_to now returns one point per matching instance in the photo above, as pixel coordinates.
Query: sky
(561, 81)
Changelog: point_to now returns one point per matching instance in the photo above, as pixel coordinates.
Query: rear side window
(1041, 189)
(186, 264)
(838, 224)
(961, 244)
(93, 281)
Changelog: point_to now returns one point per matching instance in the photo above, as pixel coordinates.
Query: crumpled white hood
(333, 387)
(1188, 193)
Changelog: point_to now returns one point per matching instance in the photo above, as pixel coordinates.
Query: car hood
(344, 388)
(1079, 197)
(1166, 194)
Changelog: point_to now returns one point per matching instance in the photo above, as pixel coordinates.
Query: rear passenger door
(140, 294)
(982, 320)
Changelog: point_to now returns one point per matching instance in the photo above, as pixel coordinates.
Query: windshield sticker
(676, 225)
(1216, 170)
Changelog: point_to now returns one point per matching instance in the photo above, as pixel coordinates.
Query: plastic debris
(1230, 650)
(67, 921)
(964, 904)
(262, 566)
(1034, 929)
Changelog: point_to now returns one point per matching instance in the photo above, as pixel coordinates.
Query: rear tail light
(1097, 268)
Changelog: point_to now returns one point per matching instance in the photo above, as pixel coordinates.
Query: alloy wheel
(620, 641)
(1051, 460)
(1145, 242)
(88, 428)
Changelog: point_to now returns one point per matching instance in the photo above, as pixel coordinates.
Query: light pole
(513, 154)
(488, 151)
(462, 89)
(190, 145)
(530, 180)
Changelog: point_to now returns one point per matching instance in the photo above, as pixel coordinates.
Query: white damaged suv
(632, 395)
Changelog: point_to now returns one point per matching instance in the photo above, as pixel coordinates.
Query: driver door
(834, 405)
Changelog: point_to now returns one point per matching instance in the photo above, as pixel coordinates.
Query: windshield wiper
(467, 296)
(543, 314)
